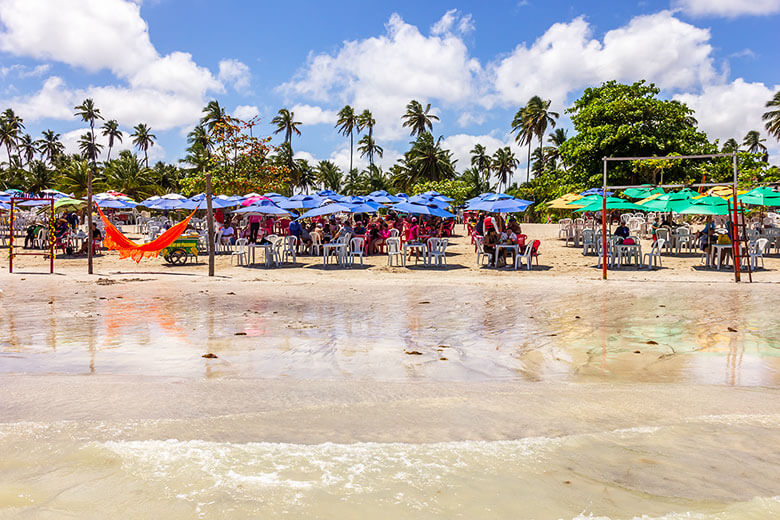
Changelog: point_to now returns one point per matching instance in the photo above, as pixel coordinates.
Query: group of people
(64, 227)
(374, 229)
(496, 231)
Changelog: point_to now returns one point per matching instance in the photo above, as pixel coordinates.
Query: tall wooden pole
(604, 224)
(210, 222)
(89, 218)
(734, 224)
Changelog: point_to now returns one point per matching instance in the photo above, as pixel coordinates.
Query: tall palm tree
(772, 117)
(539, 117)
(112, 131)
(523, 135)
(755, 144)
(375, 178)
(128, 175)
(481, 160)
(557, 138)
(143, 139)
(26, 148)
(347, 124)
(89, 113)
(88, 147)
(367, 146)
(49, 146)
(11, 126)
(366, 120)
(285, 122)
(39, 177)
(199, 151)
(419, 120)
(306, 176)
(328, 175)
(213, 114)
(504, 163)
(74, 178)
(428, 161)
(730, 145)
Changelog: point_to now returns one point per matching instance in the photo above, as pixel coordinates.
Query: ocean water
(572, 403)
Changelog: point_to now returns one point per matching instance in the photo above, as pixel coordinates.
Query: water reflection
(399, 333)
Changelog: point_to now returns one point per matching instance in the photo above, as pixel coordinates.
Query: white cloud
(306, 156)
(22, 71)
(470, 118)
(656, 47)
(314, 115)
(728, 8)
(453, 21)
(384, 73)
(235, 73)
(246, 112)
(340, 157)
(163, 91)
(732, 109)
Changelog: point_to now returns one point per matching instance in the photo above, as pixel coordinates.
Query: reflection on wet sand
(474, 333)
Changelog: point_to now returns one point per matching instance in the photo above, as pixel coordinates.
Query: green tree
(618, 120)
(111, 130)
(476, 181)
(305, 175)
(143, 139)
(366, 121)
(481, 161)
(49, 146)
(75, 177)
(417, 119)
(538, 117)
(354, 183)
(524, 135)
(328, 175)
(213, 116)
(425, 161)
(367, 146)
(39, 177)
(26, 148)
(11, 127)
(128, 175)
(772, 116)
(347, 123)
(731, 145)
(88, 147)
(754, 143)
(89, 113)
(454, 188)
(376, 179)
(285, 122)
(556, 139)
(504, 164)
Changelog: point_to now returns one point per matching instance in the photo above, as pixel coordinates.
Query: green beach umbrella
(706, 206)
(761, 196)
(643, 192)
(612, 203)
(674, 201)
(68, 204)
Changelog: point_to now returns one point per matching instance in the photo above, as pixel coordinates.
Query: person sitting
(97, 237)
(507, 237)
(489, 245)
(295, 229)
(622, 231)
(305, 238)
(318, 231)
(73, 220)
(360, 229)
(706, 236)
(344, 230)
(480, 226)
(32, 234)
(227, 234)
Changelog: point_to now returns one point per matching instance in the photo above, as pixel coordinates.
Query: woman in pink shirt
(254, 227)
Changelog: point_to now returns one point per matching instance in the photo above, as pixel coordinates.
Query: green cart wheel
(177, 256)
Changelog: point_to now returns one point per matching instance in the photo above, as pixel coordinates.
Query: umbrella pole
(604, 224)
(210, 222)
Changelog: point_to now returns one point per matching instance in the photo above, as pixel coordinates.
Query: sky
(160, 61)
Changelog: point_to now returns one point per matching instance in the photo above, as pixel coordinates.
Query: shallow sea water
(180, 462)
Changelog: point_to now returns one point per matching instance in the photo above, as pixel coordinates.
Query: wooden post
(52, 237)
(210, 222)
(11, 241)
(734, 225)
(604, 224)
(89, 218)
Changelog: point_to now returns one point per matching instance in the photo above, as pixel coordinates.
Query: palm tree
(367, 146)
(26, 148)
(88, 147)
(39, 177)
(74, 178)
(306, 177)
(730, 145)
(89, 113)
(329, 175)
(476, 181)
(539, 117)
(366, 120)
(480, 160)
(143, 139)
(417, 119)
(199, 151)
(427, 161)
(112, 131)
(755, 144)
(11, 126)
(285, 122)
(375, 178)
(772, 117)
(523, 135)
(128, 175)
(213, 116)
(347, 123)
(556, 138)
(354, 184)
(504, 163)
(49, 146)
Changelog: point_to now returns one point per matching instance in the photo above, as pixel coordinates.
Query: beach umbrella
(5, 207)
(262, 207)
(594, 191)
(163, 204)
(68, 204)
(501, 205)
(421, 209)
(706, 206)
(427, 199)
(437, 195)
(563, 201)
(174, 196)
(612, 204)
(674, 201)
(248, 201)
(216, 203)
(328, 209)
(385, 199)
(305, 202)
(33, 203)
(114, 204)
(761, 196)
(643, 192)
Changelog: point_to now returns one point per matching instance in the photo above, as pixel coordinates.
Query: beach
(389, 392)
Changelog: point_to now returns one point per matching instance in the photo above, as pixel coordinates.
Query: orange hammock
(127, 248)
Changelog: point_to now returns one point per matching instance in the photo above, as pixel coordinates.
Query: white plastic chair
(394, 251)
(241, 253)
(339, 248)
(481, 252)
(529, 255)
(588, 241)
(437, 252)
(316, 244)
(356, 248)
(288, 248)
(757, 253)
(654, 255)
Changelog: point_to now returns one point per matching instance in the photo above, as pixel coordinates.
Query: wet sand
(387, 393)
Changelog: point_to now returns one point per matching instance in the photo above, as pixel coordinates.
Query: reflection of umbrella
(263, 207)
(421, 209)
(706, 206)
(643, 192)
(501, 206)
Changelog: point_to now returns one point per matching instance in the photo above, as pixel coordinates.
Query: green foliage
(617, 120)
(457, 189)
(544, 188)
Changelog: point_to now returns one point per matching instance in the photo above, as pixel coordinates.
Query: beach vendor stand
(181, 250)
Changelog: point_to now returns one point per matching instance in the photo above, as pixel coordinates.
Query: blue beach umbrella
(263, 207)
(164, 204)
(304, 202)
(115, 204)
(501, 205)
(421, 209)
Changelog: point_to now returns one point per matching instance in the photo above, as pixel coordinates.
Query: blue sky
(160, 61)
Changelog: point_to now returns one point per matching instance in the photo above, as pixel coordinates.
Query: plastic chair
(437, 253)
(394, 251)
(654, 255)
(241, 252)
(356, 248)
(531, 252)
(481, 252)
(588, 241)
(288, 246)
(757, 252)
(316, 244)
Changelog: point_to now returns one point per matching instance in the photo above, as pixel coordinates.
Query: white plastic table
(625, 249)
(415, 245)
(267, 248)
(499, 247)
